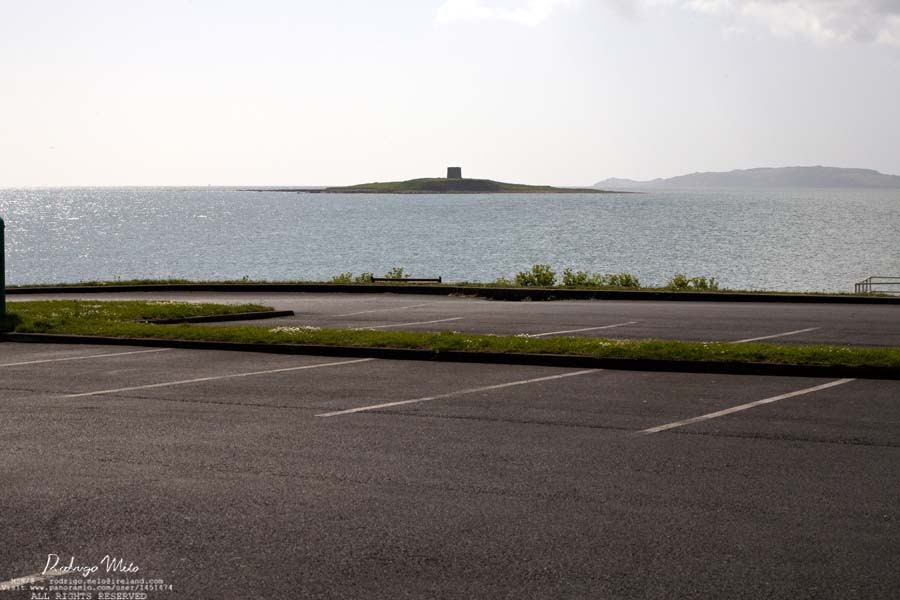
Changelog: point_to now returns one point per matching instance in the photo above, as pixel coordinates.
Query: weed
(396, 273)
(583, 279)
(681, 282)
(343, 278)
(539, 276)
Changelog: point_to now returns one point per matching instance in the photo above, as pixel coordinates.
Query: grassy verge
(65, 316)
(118, 319)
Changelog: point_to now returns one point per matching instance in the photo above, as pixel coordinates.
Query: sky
(563, 92)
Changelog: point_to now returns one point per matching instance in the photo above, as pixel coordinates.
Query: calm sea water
(787, 240)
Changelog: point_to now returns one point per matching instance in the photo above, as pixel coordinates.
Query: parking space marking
(215, 378)
(456, 393)
(416, 323)
(777, 335)
(734, 409)
(583, 329)
(365, 312)
(49, 360)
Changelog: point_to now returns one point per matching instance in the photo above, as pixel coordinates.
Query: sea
(801, 240)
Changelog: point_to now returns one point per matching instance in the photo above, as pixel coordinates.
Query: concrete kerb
(546, 360)
(245, 316)
(510, 294)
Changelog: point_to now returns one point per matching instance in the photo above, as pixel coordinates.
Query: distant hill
(439, 185)
(779, 177)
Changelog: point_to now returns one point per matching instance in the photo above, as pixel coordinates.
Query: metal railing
(878, 284)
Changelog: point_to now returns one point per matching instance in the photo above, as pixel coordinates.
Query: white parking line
(202, 379)
(777, 335)
(735, 409)
(452, 394)
(584, 329)
(49, 360)
(415, 323)
(365, 312)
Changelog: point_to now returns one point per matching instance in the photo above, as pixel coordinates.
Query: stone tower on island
(454, 172)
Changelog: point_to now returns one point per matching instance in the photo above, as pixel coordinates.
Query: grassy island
(440, 185)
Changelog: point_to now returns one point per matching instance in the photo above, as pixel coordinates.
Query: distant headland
(454, 183)
(779, 177)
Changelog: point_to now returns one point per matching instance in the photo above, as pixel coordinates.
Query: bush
(363, 278)
(396, 273)
(584, 279)
(681, 282)
(504, 282)
(538, 276)
(343, 278)
(572, 278)
(624, 280)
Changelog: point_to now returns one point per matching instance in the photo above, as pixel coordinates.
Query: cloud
(528, 13)
(823, 21)
(820, 20)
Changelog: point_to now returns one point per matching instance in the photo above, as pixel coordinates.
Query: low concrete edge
(245, 316)
(547, 360)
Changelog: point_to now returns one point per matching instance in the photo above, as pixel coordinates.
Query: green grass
(119, 319)
(65, 316)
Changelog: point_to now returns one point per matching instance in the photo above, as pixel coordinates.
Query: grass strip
(56, 316)
(118, 319)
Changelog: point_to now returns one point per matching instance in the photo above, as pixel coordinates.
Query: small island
(454, 183)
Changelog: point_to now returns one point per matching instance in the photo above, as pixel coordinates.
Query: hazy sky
(299, 92)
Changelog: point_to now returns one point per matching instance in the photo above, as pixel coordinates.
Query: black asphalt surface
(215, 473)
(841, 324)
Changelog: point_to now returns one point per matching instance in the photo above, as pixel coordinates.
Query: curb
(510, 294)
(245, 316)
(546, 360)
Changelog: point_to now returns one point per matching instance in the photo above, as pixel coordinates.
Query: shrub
(584, 279)
(343, 278)
(363, 278)
(572, 278)
(396, 273)
(702, 283)
(681, 282)
(538, 276)
(504, 282)
(625, 280)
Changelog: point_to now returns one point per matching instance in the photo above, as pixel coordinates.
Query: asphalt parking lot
(789, 323)
(239, 475)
